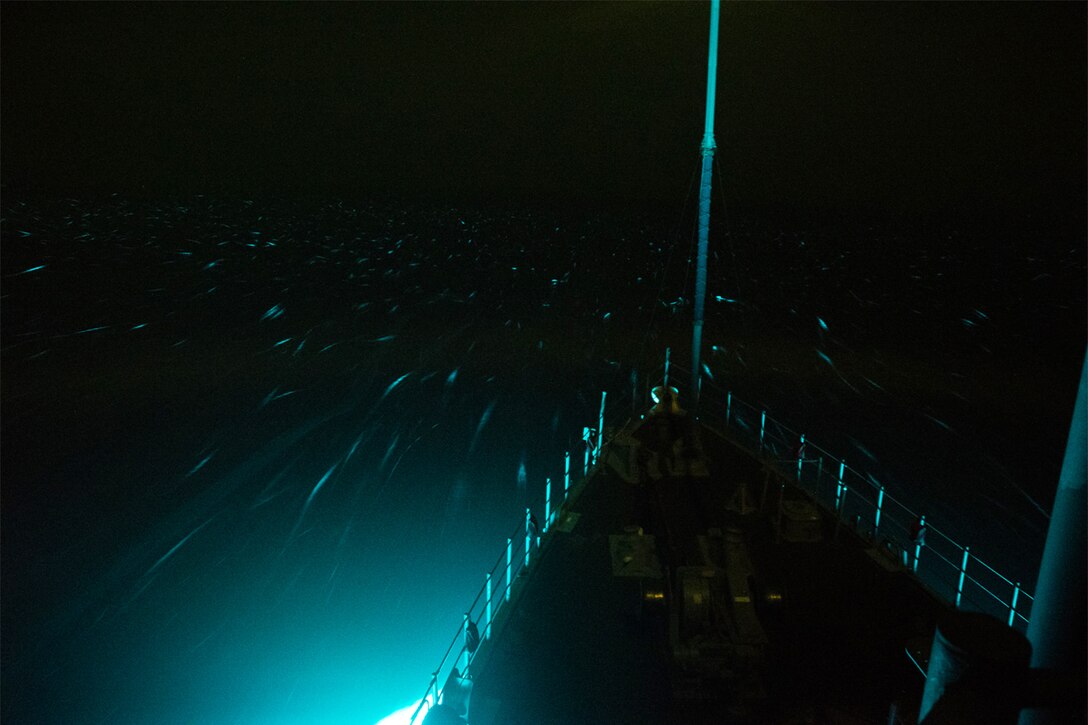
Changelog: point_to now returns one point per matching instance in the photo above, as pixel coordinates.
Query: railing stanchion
(800, 457)
(547, 504)
(1012, 607)
(600, 430)
(509, 558)
(587, 436)
(728, 407)
(464, 648)
(762, 428)
(841, 486)
(528, 535)
(963, 574)
(879, 508)
(919, 542)
(487, 624)
(566, 474)
(668, 352)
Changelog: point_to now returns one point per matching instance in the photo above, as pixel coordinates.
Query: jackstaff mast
(704, 201)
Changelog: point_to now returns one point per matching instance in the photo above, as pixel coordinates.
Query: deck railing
(949, 569)
(523, 545)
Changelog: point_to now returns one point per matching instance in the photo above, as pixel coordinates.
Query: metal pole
(963, 575)
(879, 507)
(586, 436)
(528, 535)
(800, 457)
(547, 504)
(728, 407)
(509, 561)
(464, 647)
(762, 428)
(566, 474)
(600, 430)
(487, 625)
(841, 486)
(918, 543)
(668, 352)
(1012, 607)
(704, 200)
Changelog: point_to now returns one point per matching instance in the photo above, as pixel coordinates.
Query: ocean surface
(257, 454)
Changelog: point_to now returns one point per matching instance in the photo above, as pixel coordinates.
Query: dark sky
(915, 108)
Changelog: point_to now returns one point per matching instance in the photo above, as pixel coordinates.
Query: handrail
(512, 562)
(847, 492)
(1015, 609)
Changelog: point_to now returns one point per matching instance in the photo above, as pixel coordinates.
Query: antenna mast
(704, 201)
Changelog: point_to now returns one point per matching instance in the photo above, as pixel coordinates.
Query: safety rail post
(600, 430)
(879, 507)
(547, 504)
(464, 647)
(668, 352)
(1015, 598)
(800, 457)
(587, 436)
(509, 558)
(528, 534)
(566, 474)
(819, 475)
(841, 486)
(919, 542)
(963, 575)
(487, 622)
(762, 428)
(728, 407)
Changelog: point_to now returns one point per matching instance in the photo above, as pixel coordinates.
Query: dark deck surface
(581, 645)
